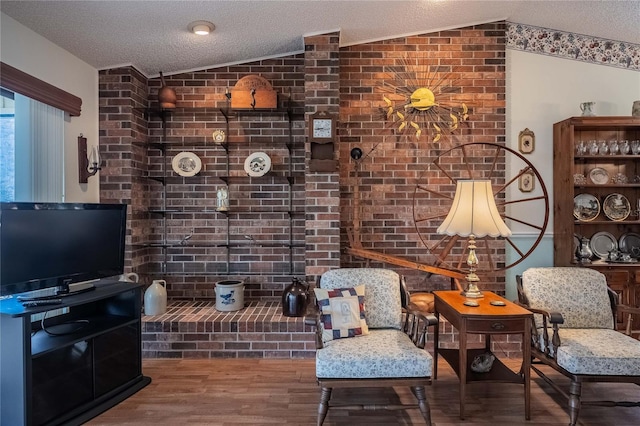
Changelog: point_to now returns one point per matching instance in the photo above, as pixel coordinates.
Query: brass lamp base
(472, 292)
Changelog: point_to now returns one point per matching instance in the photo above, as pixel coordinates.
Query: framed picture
(526, 141)
(526, 182)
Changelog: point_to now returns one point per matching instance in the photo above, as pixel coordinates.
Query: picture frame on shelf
(526, 141)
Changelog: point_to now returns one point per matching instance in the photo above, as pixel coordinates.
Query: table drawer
(497, 325)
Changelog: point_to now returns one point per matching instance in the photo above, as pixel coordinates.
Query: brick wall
(122, 91)
(325, 77)
(322, 189)
(341, 80)
(394, 162)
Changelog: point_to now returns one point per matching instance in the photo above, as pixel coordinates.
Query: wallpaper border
(577, 47)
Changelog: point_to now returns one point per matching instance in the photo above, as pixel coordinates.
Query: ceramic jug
(155, 298)
(131, 277)
(166, 95)
(295, 299)
(587, 109)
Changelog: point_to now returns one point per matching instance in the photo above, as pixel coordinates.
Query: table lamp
(473, 214)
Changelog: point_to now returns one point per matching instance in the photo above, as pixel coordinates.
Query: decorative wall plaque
(253, 92)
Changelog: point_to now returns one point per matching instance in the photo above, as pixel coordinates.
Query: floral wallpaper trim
(578, 47)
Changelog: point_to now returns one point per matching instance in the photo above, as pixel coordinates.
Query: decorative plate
(586, 207)
(630, 243)
(599, 176)
(219, 136)
(257, 164)
(602, 243)
(616, 207)
(186, 164)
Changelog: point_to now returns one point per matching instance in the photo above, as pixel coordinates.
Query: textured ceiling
(153, 35)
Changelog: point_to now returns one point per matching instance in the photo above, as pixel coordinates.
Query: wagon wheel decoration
(435, 189)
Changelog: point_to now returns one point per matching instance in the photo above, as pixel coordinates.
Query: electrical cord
(83, 323)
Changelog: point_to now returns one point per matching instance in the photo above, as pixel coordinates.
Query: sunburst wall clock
(422, 99)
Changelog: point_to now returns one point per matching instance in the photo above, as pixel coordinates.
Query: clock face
(322, 128)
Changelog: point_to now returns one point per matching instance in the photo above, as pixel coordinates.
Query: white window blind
(39, 151)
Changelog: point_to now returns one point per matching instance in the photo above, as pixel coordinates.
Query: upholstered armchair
(383, 346)
(573, 332)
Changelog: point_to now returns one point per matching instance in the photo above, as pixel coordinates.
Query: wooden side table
(485, 319)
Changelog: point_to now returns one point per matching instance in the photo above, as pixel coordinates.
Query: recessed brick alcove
(196, 329)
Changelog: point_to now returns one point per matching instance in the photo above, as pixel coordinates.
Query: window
(32, 150)
(7, 147)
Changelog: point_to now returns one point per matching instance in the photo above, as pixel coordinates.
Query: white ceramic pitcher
(155, 298)
(130, 277)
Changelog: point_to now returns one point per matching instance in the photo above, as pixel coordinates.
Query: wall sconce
(87, 166)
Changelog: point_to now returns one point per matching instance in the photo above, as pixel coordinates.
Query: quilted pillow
(341, 312)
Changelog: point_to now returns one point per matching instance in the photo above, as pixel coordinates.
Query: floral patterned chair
(381, 345)
(573, 331)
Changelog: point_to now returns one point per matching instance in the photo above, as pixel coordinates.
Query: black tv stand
(72, 377)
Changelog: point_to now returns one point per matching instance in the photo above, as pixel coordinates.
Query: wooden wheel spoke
(521, 200)
(466, 163)
(494, 162)
(445, 251)
(485, 243)
(438, 193)
(438, 216)
(513, 246)
(444, 172)
(538, 227)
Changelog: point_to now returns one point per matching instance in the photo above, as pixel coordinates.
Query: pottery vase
(295, 299)
(155, 298)
(166, 95)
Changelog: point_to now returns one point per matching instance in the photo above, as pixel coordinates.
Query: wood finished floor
(221, 392)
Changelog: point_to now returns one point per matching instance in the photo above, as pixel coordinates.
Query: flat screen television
(45, 245)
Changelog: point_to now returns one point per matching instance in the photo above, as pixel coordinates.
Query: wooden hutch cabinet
(596, 190)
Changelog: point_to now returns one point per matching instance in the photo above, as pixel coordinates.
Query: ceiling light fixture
(201, 27)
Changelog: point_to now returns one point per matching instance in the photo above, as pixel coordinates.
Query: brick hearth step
(196, 329)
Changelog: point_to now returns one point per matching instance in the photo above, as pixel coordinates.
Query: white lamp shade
(474, 212)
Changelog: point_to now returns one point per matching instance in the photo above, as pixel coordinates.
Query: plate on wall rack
(257, 164)
(616, 207)
(602, 243)
(586, 207)
(599, 176)
(186, 164)
(630, 243)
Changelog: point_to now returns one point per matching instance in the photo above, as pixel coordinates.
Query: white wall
(542, 90)
(31, 53)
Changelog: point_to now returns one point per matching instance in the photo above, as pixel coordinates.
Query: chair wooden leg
(423, 404)
(575, 389)
(324, 405)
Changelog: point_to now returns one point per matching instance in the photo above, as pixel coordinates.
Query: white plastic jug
(155, 298)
